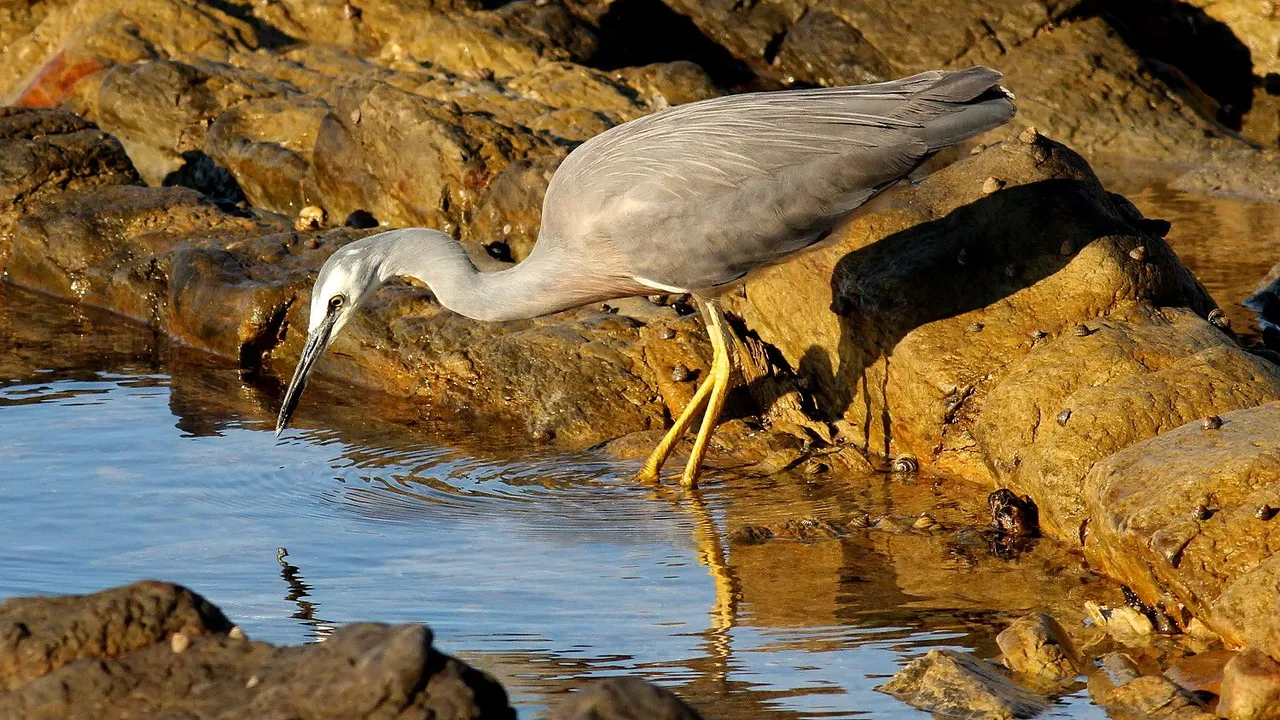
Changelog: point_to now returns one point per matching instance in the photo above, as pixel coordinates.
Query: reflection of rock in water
(298, 590)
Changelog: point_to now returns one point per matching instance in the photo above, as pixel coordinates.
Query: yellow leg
(719, 376)
(650, 473)
(721, 368)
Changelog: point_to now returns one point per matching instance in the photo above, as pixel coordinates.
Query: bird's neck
(530, 289)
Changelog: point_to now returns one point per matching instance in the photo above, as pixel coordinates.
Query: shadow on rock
(976, 256)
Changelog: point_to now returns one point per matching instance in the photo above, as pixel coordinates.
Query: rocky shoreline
(1004, 322)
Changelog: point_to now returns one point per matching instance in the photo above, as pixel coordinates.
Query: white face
(345, 281)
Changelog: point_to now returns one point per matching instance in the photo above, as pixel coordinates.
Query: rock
(626, 699)
(110, 247)
(1076, 78)
(957, 684)
(897, 364)
(41, 634)
(62, 58)
(1124, 383)
(1038, 647)
(512, 39)
(161, 109)
(1149, 696)
(361, 671)
(1125, 624)
(509, 215)
(44, 153)
(237, 283)
(1223, 568)
(1250, 687)
(265, 144)
(410, 160)
(1254, 25)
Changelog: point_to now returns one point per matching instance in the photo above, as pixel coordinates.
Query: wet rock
(1250, 687)
(1012, 515)
(1124, 383)
(1149, 696)
(41, 634)
(889, 351)
(47, 152)
(626, 699)
(1036, 646)
(110, 247)
(1142, 529)
(1125, 624)
(957, 684)
(361, 671)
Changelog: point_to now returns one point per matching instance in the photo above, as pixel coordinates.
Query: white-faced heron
(687, 200)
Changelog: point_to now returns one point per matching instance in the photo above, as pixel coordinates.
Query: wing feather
(699, 194)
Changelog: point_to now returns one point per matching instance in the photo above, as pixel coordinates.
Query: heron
(689, 200)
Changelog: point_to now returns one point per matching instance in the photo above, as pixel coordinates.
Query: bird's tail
(960, 105)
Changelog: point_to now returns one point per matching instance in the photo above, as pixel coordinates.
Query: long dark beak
(317, 341)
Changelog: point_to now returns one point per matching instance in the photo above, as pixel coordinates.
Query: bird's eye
(335, 302)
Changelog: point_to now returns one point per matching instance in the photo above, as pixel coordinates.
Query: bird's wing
(699, 194)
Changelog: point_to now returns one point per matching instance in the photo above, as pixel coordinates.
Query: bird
(687, 200)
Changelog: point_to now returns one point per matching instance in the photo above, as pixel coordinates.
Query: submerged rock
(1036, 646)
(956, 684)
(1250, 687)
(1148, 696)
(626, 699)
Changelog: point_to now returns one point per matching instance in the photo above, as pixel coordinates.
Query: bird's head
(345, 281)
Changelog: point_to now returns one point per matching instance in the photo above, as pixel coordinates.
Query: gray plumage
(689, 199)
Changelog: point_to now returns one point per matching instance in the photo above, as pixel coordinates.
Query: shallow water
(1230, 244)
(127, 458)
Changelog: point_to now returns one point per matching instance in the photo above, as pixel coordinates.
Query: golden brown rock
(887, 335)
(1250, 687)
(955, 683)
(1223, 568)
(1038, 647)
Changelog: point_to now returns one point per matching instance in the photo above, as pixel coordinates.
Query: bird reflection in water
(299, 590)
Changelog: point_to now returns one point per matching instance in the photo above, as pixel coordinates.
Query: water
(127, 458)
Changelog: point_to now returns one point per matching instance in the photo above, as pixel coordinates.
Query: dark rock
(364, 670)
(38, 635)
(44, 153)
(957, 684)
(626, 699)
(1012, 515)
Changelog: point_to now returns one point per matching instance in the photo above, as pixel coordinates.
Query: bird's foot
(647, 476)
